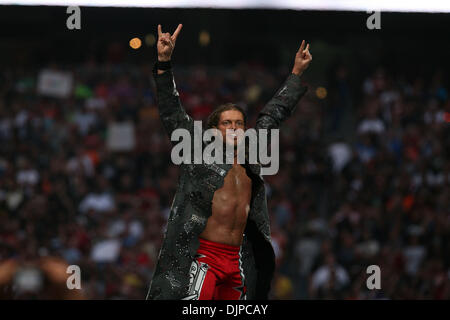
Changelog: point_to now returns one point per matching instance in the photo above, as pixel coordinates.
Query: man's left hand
(302, 59)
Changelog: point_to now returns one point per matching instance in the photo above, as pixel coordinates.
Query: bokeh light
(321, 93)
(204, 38)
(135, 43)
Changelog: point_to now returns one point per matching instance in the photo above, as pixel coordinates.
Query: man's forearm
(283, 103)
(171, 112)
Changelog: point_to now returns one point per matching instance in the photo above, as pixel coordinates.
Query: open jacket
(192, 203)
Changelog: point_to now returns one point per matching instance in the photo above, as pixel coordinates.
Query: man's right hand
(166, 43)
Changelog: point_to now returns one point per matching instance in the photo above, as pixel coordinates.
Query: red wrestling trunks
(216, 273)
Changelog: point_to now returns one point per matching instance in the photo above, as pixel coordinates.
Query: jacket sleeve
(171, 112)
(282, 105)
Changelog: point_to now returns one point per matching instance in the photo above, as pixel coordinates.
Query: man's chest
(236, 184)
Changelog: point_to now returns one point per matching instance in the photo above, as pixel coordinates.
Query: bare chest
(237, 184)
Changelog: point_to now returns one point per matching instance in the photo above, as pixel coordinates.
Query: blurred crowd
(86, 179)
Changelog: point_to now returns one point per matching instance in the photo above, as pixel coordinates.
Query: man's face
(231, 120)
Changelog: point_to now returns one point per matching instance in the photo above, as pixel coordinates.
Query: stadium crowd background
(364, 176)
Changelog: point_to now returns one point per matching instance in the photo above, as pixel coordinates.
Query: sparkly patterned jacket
(192, 203)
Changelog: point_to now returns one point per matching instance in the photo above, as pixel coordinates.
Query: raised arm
(282, 105)
(171, 112)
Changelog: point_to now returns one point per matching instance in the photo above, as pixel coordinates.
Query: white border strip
(338, 5)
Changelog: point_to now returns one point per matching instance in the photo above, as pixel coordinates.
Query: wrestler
(217, 243)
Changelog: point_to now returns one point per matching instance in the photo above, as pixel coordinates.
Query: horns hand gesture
(166, 43)
(302, 59)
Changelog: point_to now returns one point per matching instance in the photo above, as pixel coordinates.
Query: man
(217, 243)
